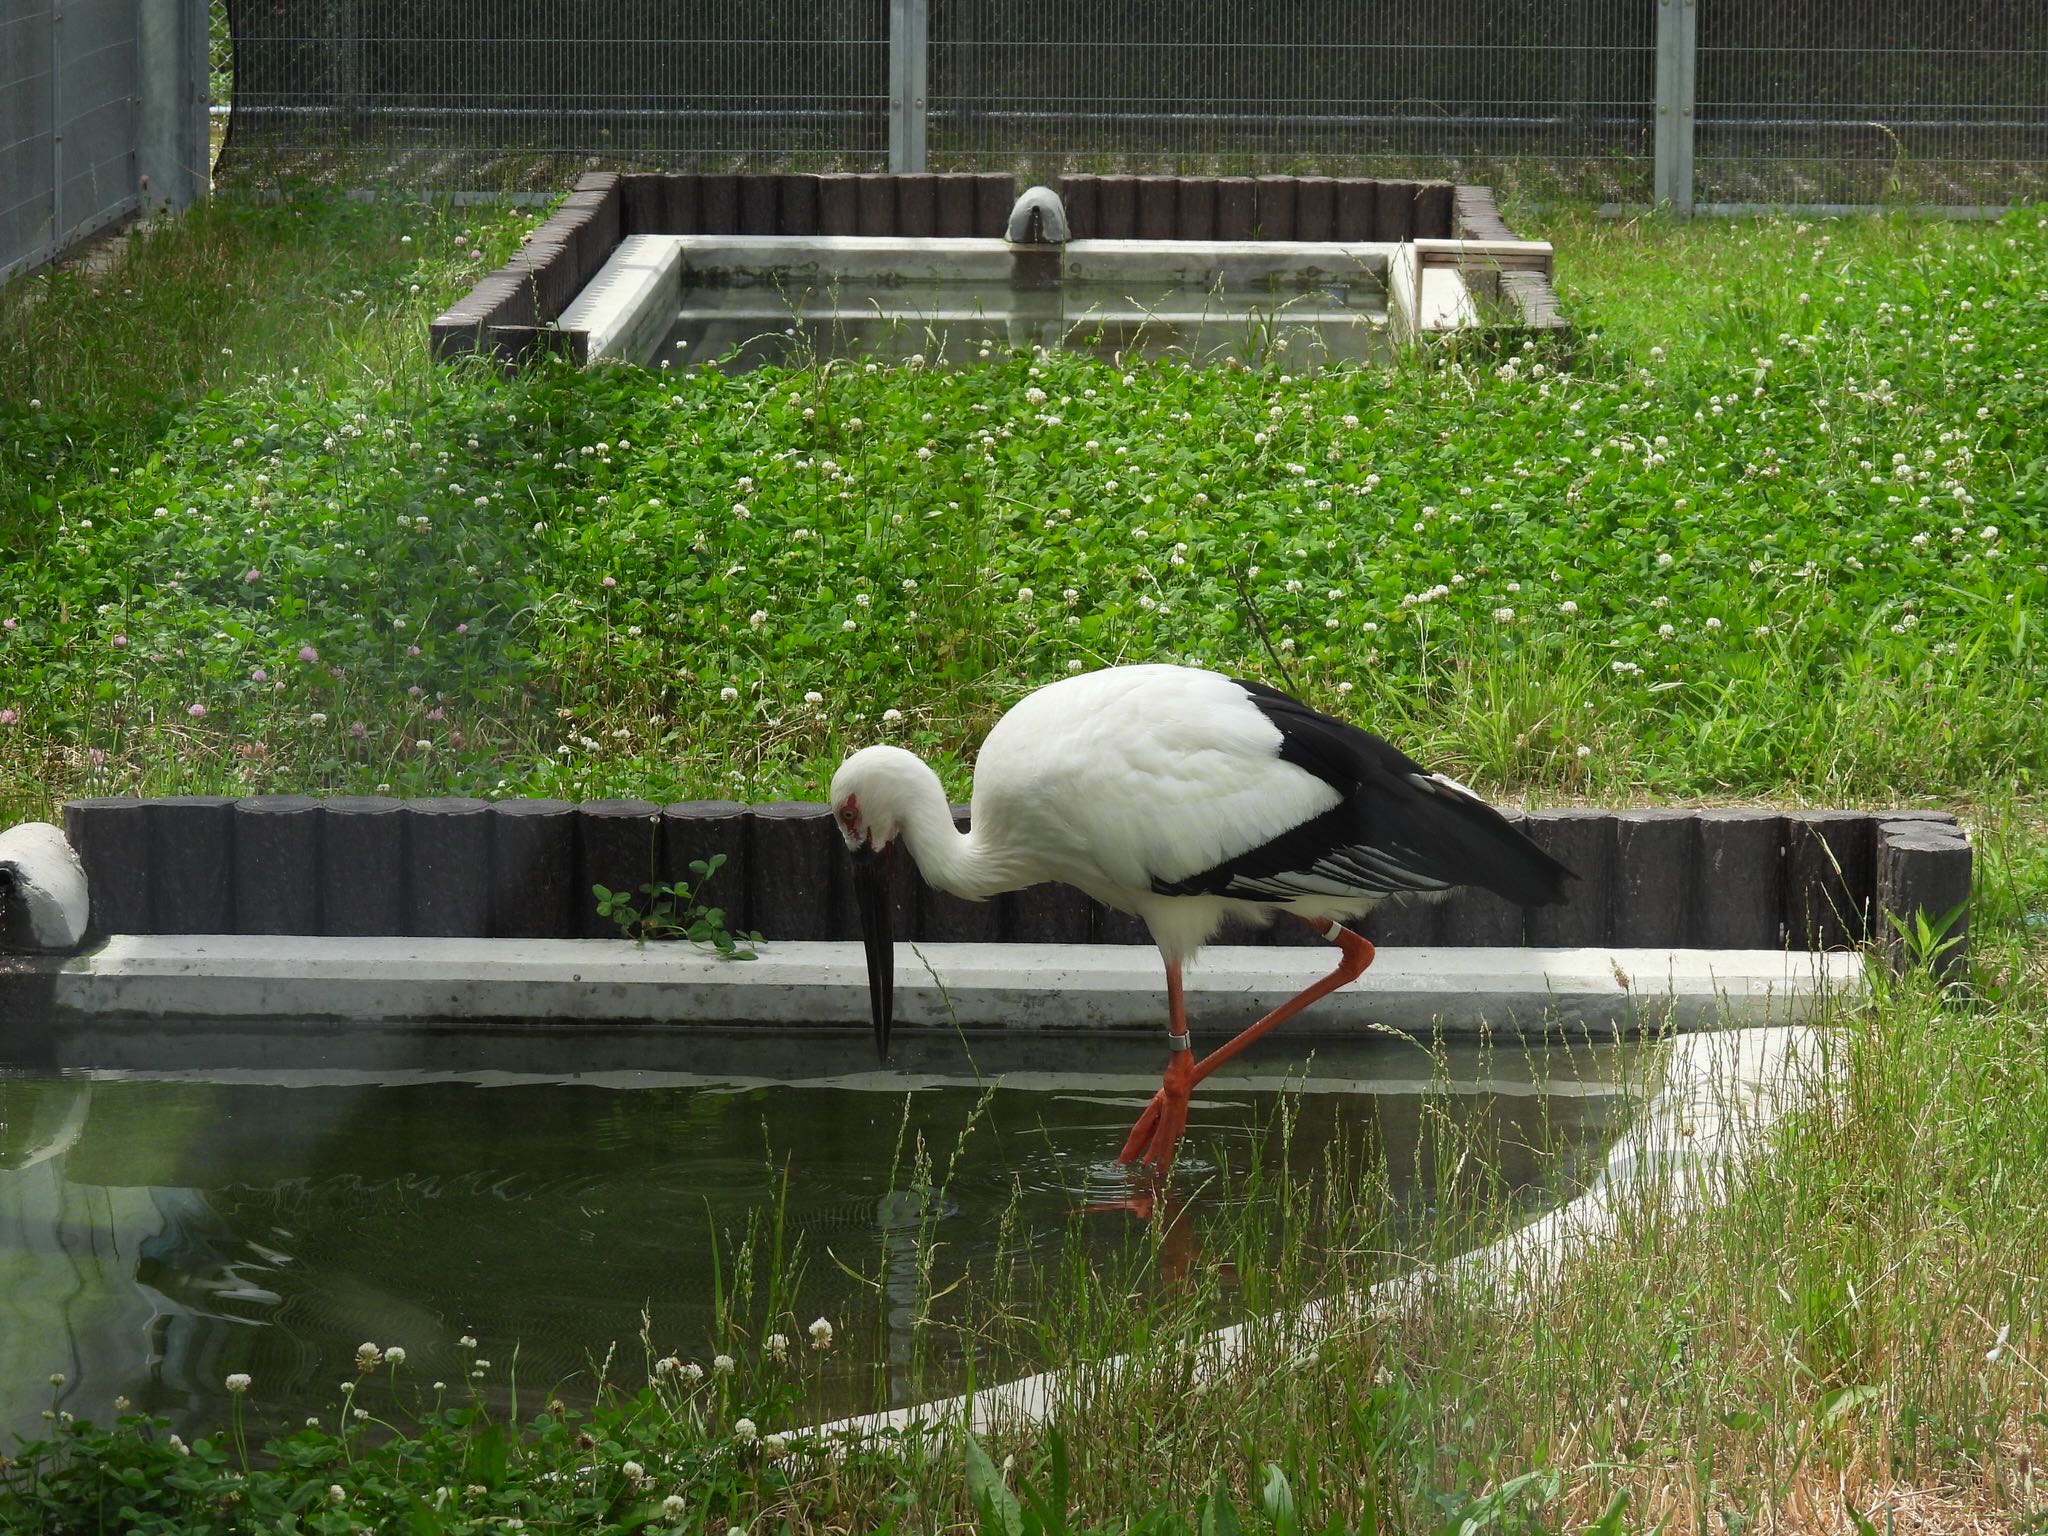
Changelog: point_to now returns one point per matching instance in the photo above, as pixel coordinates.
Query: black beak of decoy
(871, 887)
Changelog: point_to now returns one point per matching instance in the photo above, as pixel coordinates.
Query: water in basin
(741, 325)
(159, 1230)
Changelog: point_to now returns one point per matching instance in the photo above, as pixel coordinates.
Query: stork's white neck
(963, 863)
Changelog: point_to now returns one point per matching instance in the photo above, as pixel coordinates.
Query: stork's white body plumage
(1187, 798)
(1117, 779)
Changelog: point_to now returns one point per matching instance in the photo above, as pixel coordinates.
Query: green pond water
(954, 324)
(161, 1230)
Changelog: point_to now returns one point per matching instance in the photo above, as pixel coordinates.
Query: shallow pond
(947, 324)
(161, 1230)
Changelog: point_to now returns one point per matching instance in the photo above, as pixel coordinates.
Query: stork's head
(870, 794)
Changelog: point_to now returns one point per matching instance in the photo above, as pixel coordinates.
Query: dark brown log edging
(524, 868)
(1528, 297)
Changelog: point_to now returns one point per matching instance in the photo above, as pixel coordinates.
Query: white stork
(1188, 799)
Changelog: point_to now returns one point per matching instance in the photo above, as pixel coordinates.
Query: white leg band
(1179, 1043)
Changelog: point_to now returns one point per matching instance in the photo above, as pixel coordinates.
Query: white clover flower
(722, 1364)
(238, 1383)
(633, 1469)
(892, 717)
(180, 1446)
(728, 693)
(672, 1506)
(1503, 615)
(57, 1380)
(1343, 688)
(368, 1356)
(1713, 623)
(849, 625)
(745, 1431)
(693, 1372)
(336, 1494)
(821, 1334)
(757, 618)
(814, 698)
(777, 1345)
(1585, 752)
(1567, 607)
(1025, 594)
(1073, 666)
(465, 1342)
(1665, 631)
(1762, 630)
(776, 1445)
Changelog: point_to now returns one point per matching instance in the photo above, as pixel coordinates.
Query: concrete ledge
(290, 981)
(625, 310)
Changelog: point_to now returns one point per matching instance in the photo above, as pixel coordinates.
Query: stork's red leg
(1357, 955)
(1158, 1131)
(1159, 1128)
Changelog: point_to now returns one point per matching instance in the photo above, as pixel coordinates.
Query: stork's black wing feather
(1399, 827)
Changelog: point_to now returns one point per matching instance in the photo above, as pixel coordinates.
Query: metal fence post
(171, 146)
(56, 130)
(909, 50)
(1677, 90)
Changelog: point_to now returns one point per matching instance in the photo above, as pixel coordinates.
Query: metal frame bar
(909, 82)
(1677, 97)
(56, 244)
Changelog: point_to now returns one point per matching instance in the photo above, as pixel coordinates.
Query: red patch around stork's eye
(849, 813)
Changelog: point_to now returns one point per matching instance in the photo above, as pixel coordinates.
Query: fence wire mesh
(1823, 101)
(68, 93)
(1543, 96)
(1843, 101)
(442, 92)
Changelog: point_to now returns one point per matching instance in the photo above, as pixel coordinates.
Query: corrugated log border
(368, 865)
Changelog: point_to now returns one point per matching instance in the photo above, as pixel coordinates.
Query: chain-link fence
(1721, 101)
(102, 114)
(1549, 96)
(1845, 101)
(444, 92)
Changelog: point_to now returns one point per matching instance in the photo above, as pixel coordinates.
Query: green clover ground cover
(1813, 453)
(1792, 545)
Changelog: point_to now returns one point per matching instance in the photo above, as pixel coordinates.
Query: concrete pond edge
(202, 999)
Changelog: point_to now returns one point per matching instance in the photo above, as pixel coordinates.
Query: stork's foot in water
(1157, 1134)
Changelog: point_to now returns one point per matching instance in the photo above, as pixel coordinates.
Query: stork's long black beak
(871, 886)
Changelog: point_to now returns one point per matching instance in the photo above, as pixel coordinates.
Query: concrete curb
(294, 981)
(1722, 1092)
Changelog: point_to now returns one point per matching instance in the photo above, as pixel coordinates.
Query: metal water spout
(1038, 218)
